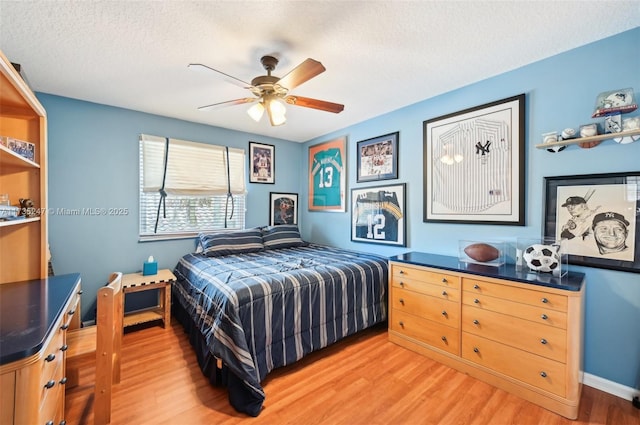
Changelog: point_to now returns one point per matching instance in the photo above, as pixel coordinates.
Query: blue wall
(93, 162)
(560, 93)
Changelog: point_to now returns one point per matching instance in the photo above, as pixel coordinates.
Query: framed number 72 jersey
(328, 175)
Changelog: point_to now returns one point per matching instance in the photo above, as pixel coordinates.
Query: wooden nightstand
(136, 282)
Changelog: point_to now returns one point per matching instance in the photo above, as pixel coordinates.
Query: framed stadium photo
(596, 218)
(262, 163)
(378, 158)
(378, 215)
(283, 208)
(473, 170)
(328, 175)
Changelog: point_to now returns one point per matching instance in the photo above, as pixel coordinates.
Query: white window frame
(196, 187)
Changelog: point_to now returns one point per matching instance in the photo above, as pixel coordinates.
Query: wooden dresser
(519, 331)
(34, 317)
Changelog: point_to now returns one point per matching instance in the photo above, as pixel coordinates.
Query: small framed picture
(378, 215)
(262, 160)
(378, 158)
(283, 208)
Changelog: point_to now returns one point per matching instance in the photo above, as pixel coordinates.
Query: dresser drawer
(540, 372)
(51, 362)
(440, 336)
(538, 339)
(541, 315)
(402, 271)
(70, 312)
(521, 295)
(50, 408)
(432, 308)
(438, 291)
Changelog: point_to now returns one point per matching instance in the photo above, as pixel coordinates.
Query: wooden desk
(136, 282)
(34, 317)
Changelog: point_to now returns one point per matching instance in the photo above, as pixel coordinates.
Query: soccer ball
(542, 258)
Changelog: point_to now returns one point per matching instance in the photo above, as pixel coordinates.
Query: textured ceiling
(379, 55)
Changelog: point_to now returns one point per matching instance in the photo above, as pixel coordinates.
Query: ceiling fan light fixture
(256, 111)
(277, 111)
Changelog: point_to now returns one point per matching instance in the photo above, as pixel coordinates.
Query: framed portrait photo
(328, 175)
(378, 215)
(474, 165)
(283, 208)
(378, 158)
(262, 163)
(596, 218)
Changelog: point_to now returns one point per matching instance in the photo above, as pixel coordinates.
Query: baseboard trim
(610, 387)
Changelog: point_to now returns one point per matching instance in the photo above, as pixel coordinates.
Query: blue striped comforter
(267, 309)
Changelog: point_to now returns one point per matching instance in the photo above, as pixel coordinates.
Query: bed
(263, 298)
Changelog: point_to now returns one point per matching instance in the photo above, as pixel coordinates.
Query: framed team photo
(328, 175)
(596, 218)
(283, 208)
(378, 158)
(262, 163)
(378, 215)
(473, 169)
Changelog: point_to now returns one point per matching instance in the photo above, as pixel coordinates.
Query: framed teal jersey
(327, 176)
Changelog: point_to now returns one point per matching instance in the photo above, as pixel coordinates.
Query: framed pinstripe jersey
(378, 215)
(474, 165)
(327, 175)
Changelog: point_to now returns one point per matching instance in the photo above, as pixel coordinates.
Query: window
(197, 180)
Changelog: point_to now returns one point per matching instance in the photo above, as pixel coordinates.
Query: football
(542, 258)
(482, 252)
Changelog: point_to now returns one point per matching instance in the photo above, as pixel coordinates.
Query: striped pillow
(228, 243)
(282, 236)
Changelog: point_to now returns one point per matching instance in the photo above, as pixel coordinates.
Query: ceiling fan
(272, 93)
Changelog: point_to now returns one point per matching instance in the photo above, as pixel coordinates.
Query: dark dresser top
(28, 311)
(572, 281)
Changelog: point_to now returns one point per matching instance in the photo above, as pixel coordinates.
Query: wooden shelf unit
(23, 243)
(597, 138)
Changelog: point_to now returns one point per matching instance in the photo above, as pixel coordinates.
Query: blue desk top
(28, 311)
(572, 281)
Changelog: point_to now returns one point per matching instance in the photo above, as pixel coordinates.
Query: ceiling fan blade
(228, 103)
(308, 102)
(300, 74)
(232, 80)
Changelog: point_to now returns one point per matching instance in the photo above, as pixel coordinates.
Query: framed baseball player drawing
(378, 215)
(596, 218)
(328, 175)
(474, 165)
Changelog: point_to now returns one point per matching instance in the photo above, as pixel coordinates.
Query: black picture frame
(473, 169)
(283, 208)
(577, 210)
(262, 163)
(378, 214)
(378, 158)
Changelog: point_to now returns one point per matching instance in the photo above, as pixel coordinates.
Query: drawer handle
(475, 322)
(544, 300)
(63, 422)
(401, 323)
(543, 374)
(63, 381)
(401, 271)
(49, 423)
(477, 301)
(401, 300)
(402, 284)
(543, 341)
(476, 350)
(50, 384)
(444, 338)
(544, 317)
(71, 312)
(64, 347)
(51, 357)
(444, 293)
(444, 280)
(64, 327)
(444, 313)
(80, 292)
(476, 287)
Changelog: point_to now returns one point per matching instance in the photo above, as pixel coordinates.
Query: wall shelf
(18, 222)
(597, 138)
(8, 157)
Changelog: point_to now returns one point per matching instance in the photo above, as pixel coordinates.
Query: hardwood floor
(362, 380)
